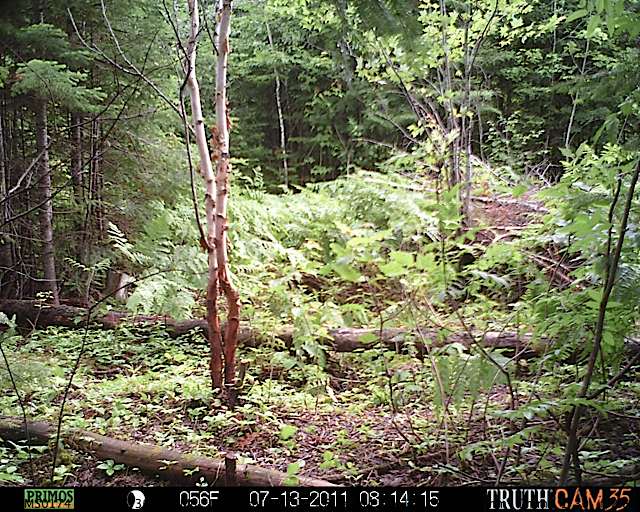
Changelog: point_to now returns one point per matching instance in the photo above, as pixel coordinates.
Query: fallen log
(171, 465)
(35, 315)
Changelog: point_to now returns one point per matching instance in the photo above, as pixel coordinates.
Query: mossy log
(154, 460)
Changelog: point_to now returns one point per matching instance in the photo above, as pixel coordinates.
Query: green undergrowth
(356, 412)
(369, 251)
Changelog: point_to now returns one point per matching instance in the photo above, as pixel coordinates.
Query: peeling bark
(216, 195)
(222, 186)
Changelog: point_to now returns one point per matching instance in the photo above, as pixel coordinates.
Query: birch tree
(223, 350)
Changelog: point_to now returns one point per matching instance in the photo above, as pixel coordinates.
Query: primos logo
(48, 498)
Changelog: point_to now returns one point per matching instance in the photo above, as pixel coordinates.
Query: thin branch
(574, 417)
(133, 71)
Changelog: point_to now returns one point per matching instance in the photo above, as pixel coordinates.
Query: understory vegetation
(454, 190)
(361, 251)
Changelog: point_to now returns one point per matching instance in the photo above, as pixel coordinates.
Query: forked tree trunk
(216, 193)
(46, 208)
(222, 186)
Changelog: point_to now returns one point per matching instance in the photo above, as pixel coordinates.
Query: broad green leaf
(626, 107)
(594, 23)
(426, 262)
(393, 268)
(293, 468)
(312, 349)
(287, 431)
(607, 339)
(368, 337)
(595, 294)
(346, 272)
(580, 13)
(518, 190)
(403, 258)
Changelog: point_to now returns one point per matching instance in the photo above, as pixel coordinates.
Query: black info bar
(610, 499)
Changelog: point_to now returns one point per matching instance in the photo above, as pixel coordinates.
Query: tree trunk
(46, 208)
(6, 259)
(76, 156)
(222, 189)
(283, 139)
(152, 459)
(216, 194)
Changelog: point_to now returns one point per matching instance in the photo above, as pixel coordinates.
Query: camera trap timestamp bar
(333, 498)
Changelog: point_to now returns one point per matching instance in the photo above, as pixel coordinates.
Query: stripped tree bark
(216, 194)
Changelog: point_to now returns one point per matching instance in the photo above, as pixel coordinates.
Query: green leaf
(287, 431)
(293, 468)
(626, 107)
(580, 13)
(368, 337)
(607, 339)
(346, 272)
(393, 268)
(426, 262)
(595, 294)
(289, 363)
(292, 481)
(404, 258)
(594, 23)
(518, 190)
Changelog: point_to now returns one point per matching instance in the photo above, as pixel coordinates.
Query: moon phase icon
(135, 500)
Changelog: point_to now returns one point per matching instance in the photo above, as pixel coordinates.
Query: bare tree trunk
(222, 188)
(283, 145)
(454, 177)
(215, 339)
(6, 260)
(46, 209)
(567, 139)
(216, 193)
(467, 124)
(76, 156)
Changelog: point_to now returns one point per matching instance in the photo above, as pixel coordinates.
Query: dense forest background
(465, 167)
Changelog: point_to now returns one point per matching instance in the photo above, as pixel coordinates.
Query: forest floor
(371, 447)
(370, 420)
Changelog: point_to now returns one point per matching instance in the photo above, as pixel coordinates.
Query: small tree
(216, 195)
